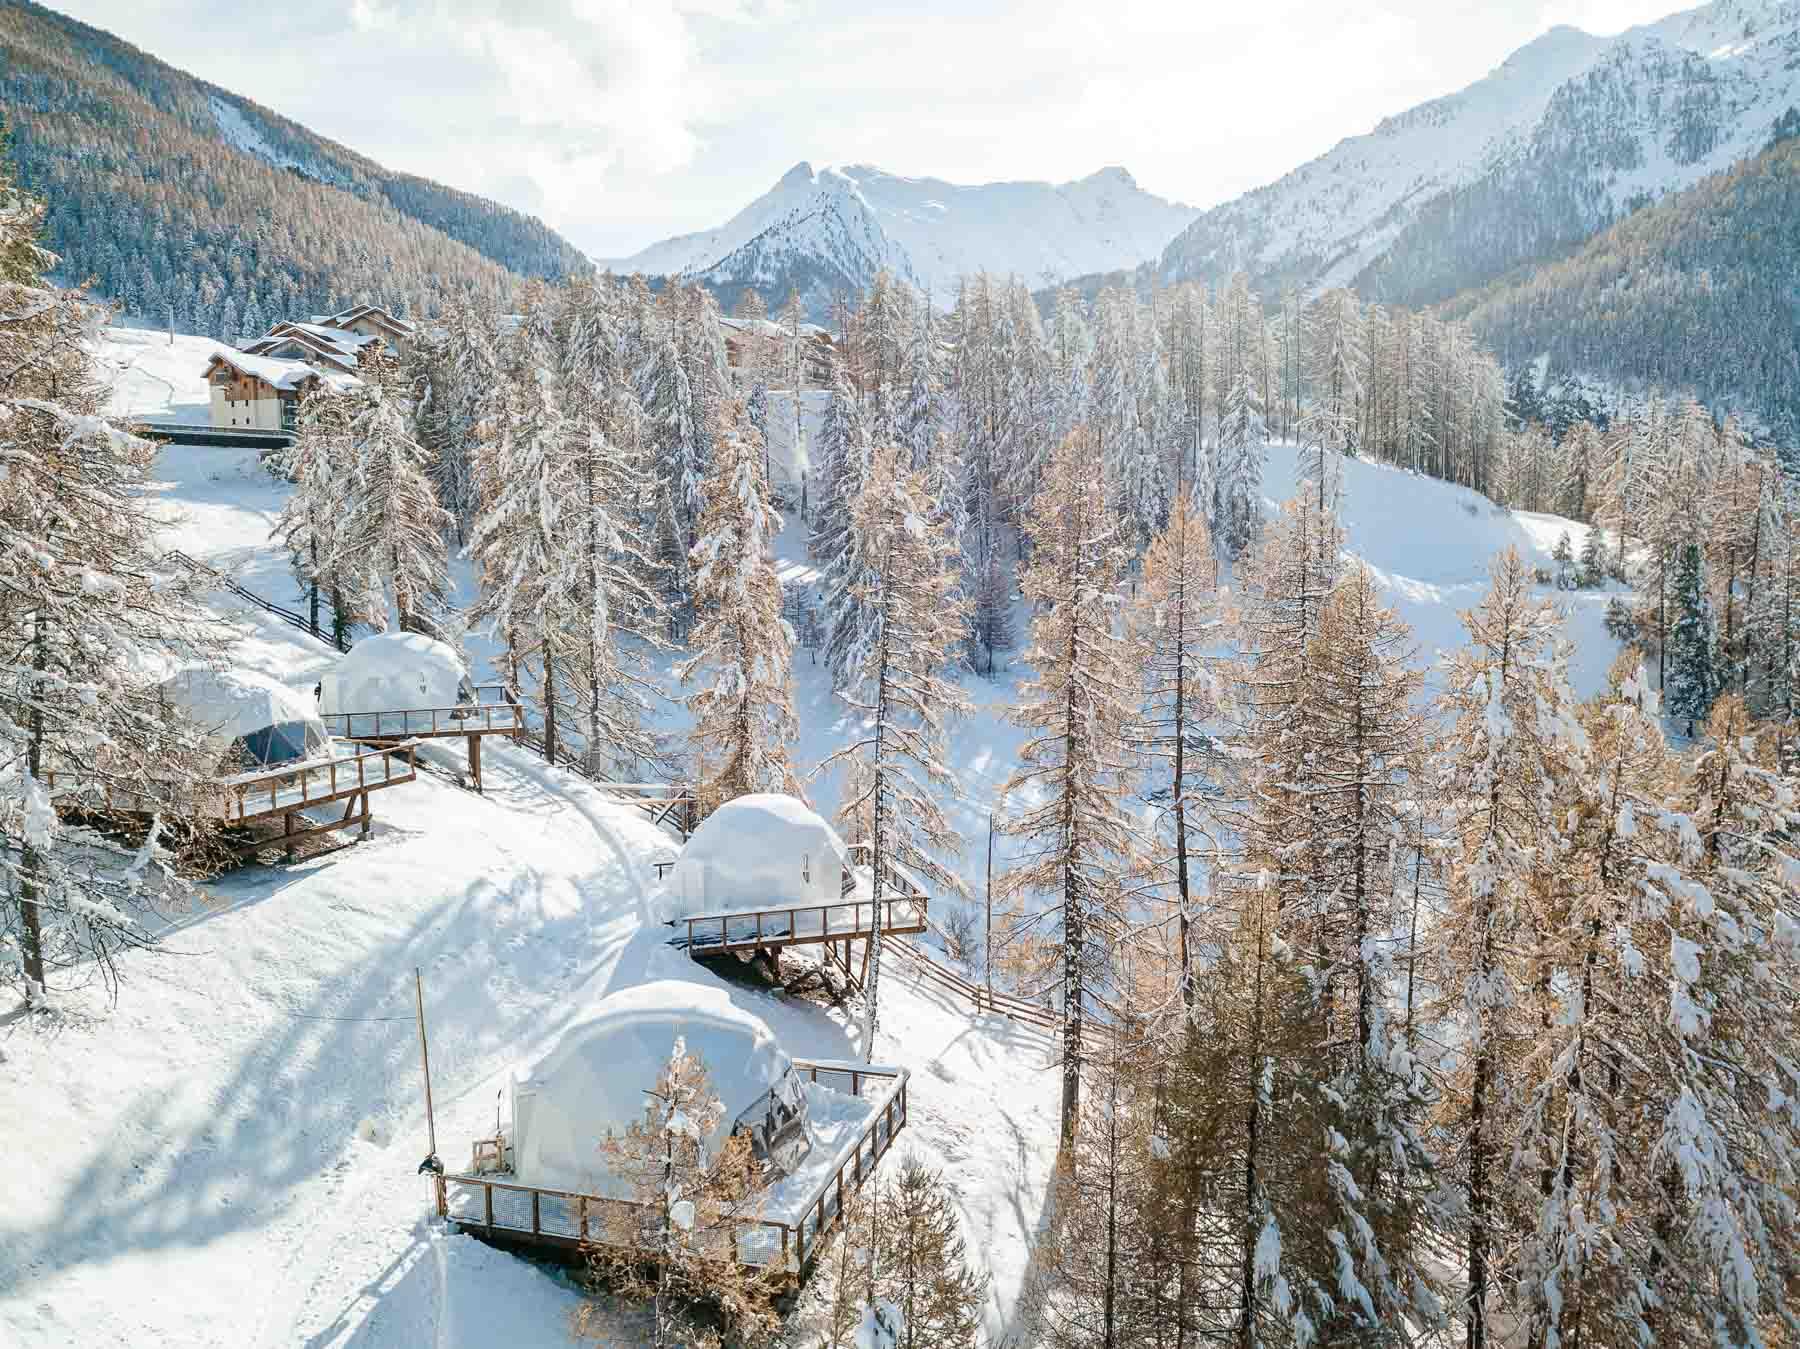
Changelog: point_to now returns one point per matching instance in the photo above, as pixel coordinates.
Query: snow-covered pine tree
(1066, 798)
(394, 536)
(793, 364)
(1691, 679)
(678, 446)
(92, 623)
(519, 537)
(605, 584)
(678, 1242)
(1509, 718)
(991, 620)
(744, 713)
(921, 1262)
(320, 464)
(900, 699)
(1333, 363)
(1591, 570)
(1243, 435)
(844, 454)
(1175, 623)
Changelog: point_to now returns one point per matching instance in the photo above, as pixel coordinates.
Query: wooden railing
(856, 1163)
(248, 797)
(317, 783)
(749, 929)
(671, 803)
(571, 1220)
(978, 997)
(288, 616)
(401, 723)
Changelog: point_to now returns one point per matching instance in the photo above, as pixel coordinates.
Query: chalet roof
(339, 339)
(282, 374)
(291, 342)
(372, 311)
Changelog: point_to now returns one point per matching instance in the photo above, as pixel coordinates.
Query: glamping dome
(252, 721)
(395, 671)
(596, 1073)
(759, 851)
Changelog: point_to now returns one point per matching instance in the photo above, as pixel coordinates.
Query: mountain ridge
(1567, 135)
(176, 195)
(819, 228)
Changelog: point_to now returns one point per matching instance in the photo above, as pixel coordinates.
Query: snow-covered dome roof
(594, 1076)
(761, 851)
(395, 671)
(248, 717)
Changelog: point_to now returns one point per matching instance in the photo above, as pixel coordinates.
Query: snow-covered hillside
(228, 1158)
(1568, 133)
(840, 224)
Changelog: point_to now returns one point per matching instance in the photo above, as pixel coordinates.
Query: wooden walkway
(566, 1223)
(473, 721)
(254, 800)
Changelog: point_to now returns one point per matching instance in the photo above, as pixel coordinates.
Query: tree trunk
(31, 936)
(549, 705)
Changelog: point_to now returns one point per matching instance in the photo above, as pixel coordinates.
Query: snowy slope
(1567, 134)
(228, 1158)
(848, 221)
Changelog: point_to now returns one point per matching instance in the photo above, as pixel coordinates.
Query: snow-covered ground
(229, 1156)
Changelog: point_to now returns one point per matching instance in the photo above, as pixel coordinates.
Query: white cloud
(621, 121)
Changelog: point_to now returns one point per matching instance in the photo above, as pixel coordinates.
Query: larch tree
(1508, 709)
(1176, 623)
(922, 1264)
(744, 713)
(900, 698)
(93, 621)
(1066, 798)
(679, 1242)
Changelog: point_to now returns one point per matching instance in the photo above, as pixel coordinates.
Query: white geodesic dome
(249, 720)
(594, 1078)
(761, 851)
(396, 671)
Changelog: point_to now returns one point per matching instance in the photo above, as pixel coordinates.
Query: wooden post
(430, 1115)
(287, 830)
(475, 760)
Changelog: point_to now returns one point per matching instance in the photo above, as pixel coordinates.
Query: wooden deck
(473, 721)
(253, 800)
(795, 925)
(564, 1223)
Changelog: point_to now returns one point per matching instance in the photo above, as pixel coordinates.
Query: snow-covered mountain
(1567, 135)
(822, 229)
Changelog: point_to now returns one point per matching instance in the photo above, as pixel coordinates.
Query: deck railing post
(535, 1220)
(487, 1207)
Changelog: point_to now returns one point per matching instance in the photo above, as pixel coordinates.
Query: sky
(621, 122)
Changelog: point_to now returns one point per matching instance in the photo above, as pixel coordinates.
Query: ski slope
(229, 1156)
